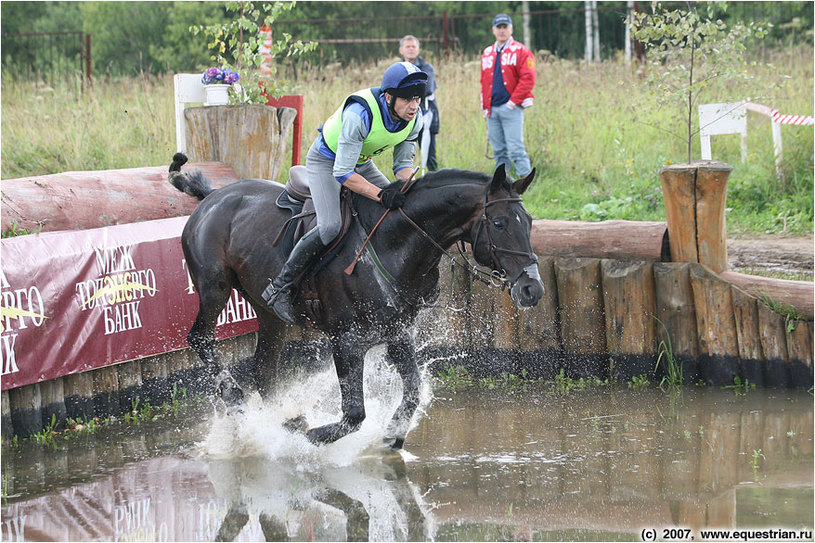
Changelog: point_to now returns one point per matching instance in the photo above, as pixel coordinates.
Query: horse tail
(192, 182)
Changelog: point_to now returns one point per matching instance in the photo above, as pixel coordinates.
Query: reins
(492, 278)
(409, 183)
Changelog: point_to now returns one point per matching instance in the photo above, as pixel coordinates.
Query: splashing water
(259, 430)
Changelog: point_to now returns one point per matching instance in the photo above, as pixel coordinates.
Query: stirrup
(272, 293)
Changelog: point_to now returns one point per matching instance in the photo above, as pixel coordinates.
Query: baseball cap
(501, 19)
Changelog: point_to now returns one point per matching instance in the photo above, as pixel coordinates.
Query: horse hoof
(394, 443)
(296, 425)
(230, 392)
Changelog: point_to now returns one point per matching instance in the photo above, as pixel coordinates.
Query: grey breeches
(325, 190)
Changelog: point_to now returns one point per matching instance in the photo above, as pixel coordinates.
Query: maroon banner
(74, 301)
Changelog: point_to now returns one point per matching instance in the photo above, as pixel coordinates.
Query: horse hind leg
(211, 299)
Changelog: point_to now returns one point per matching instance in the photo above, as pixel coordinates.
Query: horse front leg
(349, 363)
(402, 354)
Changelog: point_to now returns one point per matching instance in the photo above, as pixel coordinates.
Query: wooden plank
(774, 344)
(621, 240)
(716, 326)
(745, 311)
(630, 307)
(676, 311)
(582, 318)
(7, 429)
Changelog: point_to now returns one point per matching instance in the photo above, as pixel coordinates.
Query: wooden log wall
(598, 317)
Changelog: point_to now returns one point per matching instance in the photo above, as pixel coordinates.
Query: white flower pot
(217, 95)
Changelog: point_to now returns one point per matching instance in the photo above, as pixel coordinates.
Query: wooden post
(799, 347)
(695, 195)
(771, 327)
(251, 138)
(130, 385)
(716, 326)
(481, 309)
(106, 392)
(676, 312)
(745, 310)
(79, 395)
(7, 429)
(582, 317)
(630, 307)
(53, 403)
(26, 409)
(154, 376)
(539, 340)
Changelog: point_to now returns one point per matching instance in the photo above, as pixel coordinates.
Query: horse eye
(499, 222)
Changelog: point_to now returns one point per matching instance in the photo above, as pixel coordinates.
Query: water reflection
(480, 465)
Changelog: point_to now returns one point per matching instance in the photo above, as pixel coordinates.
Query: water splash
(259, 430)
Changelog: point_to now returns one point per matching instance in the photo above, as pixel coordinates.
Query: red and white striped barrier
(800, 120)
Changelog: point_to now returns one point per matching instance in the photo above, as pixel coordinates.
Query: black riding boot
(279, 292)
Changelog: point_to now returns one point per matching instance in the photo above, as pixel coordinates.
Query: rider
(368, 122)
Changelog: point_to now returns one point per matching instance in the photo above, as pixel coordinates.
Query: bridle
(497, 277)
(483, 225)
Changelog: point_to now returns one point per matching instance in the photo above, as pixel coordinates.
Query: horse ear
(499, 179)
(523, 183)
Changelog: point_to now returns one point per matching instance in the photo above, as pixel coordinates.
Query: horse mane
(453, 176)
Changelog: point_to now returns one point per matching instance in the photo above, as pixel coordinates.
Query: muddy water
(598, 464)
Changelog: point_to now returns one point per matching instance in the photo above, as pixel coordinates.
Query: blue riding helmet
(404, 80)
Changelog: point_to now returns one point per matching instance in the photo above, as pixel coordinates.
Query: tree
(689, 53)
(238, 44)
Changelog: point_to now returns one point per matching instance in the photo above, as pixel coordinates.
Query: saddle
(297, 200)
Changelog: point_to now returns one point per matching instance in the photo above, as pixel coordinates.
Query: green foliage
(672, 380)
(15, 230)
(47, 434)
(639, 382)
(689, 53)
(791, 315)
(237, 44)
(739, 386)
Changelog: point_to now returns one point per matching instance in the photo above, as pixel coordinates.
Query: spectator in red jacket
(507, 79)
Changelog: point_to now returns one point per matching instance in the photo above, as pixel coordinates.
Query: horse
(227, 243)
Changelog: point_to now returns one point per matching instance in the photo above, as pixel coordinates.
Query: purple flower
(215, 76)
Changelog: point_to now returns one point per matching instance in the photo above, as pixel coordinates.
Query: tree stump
(695, 195)
(251, 138)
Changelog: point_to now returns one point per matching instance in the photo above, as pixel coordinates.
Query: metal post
(88, 58)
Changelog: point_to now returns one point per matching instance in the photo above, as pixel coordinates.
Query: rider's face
(406, 108)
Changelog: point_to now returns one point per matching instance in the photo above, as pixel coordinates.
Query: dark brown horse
(228, 243)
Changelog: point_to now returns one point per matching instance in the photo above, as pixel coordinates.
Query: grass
(595, 134)
(789, 312)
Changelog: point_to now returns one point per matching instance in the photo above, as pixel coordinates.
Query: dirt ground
(771, 253)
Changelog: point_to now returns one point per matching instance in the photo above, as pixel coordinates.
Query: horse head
(500, 238)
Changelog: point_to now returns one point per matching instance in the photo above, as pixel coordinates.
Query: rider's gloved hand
(390, 197)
